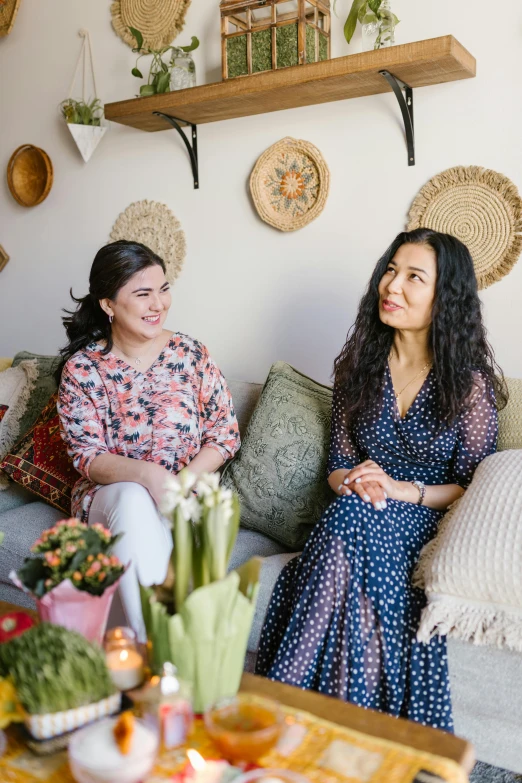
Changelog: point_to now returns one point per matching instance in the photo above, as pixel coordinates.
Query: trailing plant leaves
(138, 36)
(147, 89)
(375, 5)
(395, 19)
(137, 73)
(193, 45)
(362, 11)
(351, 22)
(163, 84)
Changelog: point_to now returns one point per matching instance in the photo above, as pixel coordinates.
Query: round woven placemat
(154, 225)
(480, 207)
(290, 184)
(159, 21)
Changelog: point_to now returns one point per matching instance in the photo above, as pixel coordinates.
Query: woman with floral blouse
(136, 403)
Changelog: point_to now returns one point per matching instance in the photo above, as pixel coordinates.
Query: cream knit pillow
(510, 418)
(472, 570)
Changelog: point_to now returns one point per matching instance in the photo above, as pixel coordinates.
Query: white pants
(127, 507)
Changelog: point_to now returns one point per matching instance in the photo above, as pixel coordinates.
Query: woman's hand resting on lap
(154, 480)
(367, 480)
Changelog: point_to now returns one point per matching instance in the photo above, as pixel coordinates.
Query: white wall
(251, 293)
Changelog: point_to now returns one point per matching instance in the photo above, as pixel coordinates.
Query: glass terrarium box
(264, 36)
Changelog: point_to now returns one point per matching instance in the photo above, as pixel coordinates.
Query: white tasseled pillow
(472, 570)
(16, 385)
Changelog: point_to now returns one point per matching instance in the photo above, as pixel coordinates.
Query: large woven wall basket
(290, 184)
(480, 207)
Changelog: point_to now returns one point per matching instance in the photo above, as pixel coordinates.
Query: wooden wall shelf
(418, 64)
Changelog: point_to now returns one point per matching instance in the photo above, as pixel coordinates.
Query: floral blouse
(165, 415)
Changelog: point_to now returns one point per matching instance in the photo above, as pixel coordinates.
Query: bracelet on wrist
(421, 487)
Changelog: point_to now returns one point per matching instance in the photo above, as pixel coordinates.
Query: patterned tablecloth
(323, 752)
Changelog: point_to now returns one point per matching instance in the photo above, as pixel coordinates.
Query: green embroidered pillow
(44, 388)
(280, 471)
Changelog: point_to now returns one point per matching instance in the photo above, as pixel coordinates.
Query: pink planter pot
(77, 610)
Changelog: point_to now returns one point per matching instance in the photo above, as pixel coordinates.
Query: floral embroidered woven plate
(290, 184)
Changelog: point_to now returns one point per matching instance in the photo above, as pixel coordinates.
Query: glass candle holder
(124, 661)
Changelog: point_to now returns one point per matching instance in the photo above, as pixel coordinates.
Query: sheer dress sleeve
(477, 432)
(343, 451)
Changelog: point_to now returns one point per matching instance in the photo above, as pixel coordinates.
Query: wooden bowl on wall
(29, 175)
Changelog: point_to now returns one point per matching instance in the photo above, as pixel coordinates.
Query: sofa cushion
(40, 462)
(471, 570)
(45, 386)
(280, 471)
(244, 397)
(13, 497)
(251, 544)
(272, 567)
(510, 418)
(22, 526)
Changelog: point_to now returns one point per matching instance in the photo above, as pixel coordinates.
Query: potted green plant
(200, 617)
(377, 22)
(75, 576)
(61, 679)
(85, 122)
(172, 67)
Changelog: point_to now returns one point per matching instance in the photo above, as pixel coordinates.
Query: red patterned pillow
(3, 411)
(40, 463)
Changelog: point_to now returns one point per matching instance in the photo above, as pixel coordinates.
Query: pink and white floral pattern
(164, 415)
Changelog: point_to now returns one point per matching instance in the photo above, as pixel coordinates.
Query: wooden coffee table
(375, 724)
(370, 722)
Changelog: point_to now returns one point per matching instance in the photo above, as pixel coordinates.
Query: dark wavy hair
(457, 336)
(112, 268)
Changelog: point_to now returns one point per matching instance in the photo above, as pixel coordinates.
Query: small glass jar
(124, 660)
(183, 70)
(166, 702)
(378, 30)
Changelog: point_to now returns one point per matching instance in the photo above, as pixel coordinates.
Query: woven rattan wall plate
(289, 184)
(154, 225)
(29, 175)
(8, 11)
(159, 21)
(480, 207)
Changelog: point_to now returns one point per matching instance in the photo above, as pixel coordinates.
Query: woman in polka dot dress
(414, 412)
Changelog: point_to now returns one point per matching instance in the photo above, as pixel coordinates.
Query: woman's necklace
(398, 394)
(136, 359)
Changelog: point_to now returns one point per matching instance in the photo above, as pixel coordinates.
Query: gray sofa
(486, 682)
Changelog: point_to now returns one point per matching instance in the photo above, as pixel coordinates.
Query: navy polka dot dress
(343, 616)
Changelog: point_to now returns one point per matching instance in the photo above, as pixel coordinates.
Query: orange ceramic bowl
(246, 727)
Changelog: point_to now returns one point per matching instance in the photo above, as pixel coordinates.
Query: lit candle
(201, 771)
(126, 668)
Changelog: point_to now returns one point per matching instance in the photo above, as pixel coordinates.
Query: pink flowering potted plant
(74, 576)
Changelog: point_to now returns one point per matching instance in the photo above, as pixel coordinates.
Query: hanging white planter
(87, 138)
(85, 120)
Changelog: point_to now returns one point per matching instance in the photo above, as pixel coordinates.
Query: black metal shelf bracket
(406, 106)
(192, 149)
